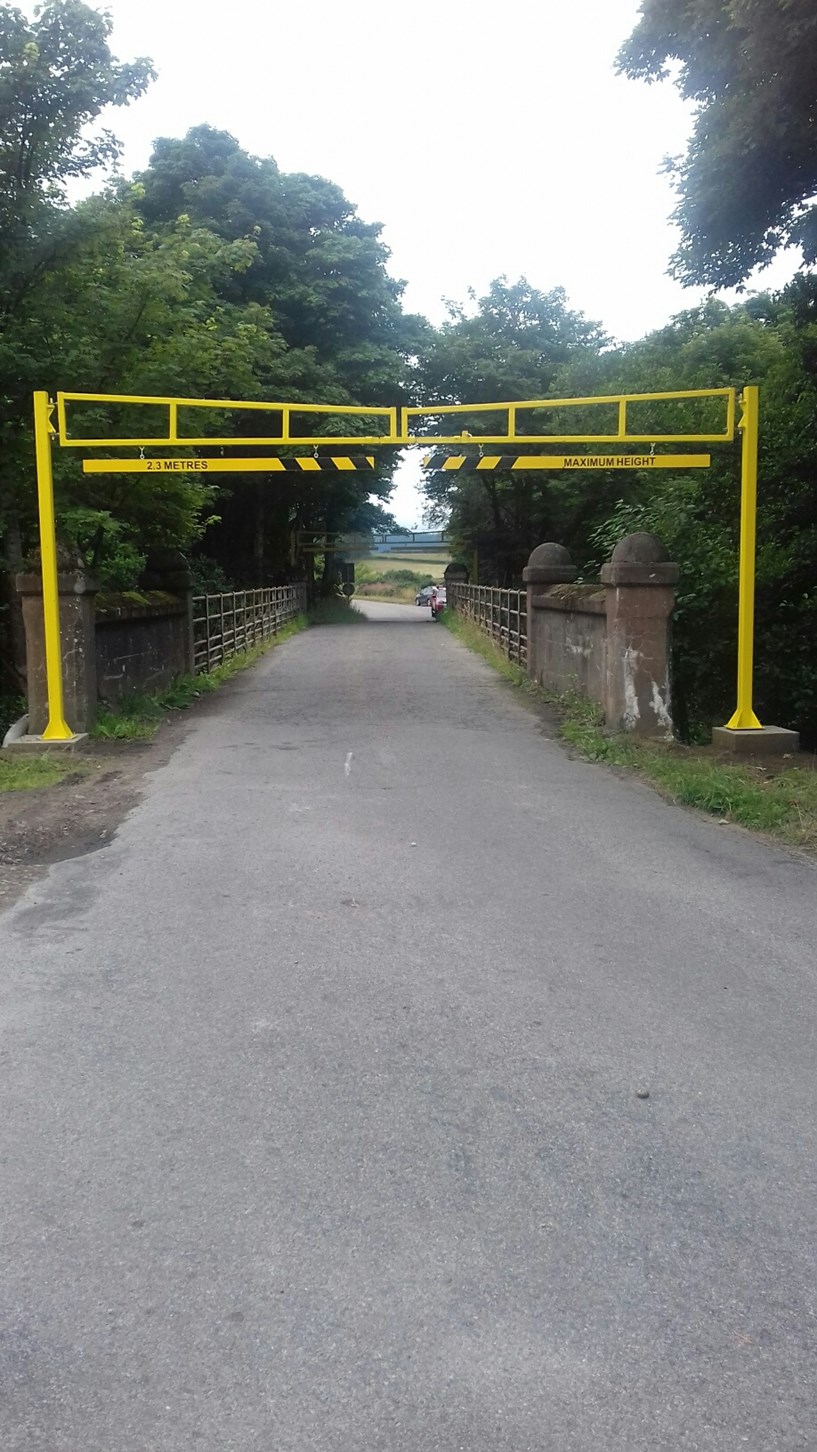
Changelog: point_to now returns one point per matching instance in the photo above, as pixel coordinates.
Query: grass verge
(777, 799)
(23, 773)
(334, 611)
(139, 716)
(396, 586)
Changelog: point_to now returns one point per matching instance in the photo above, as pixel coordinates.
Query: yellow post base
(39, 745)
(744, 719)
(761, 741)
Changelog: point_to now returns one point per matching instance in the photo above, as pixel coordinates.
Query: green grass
(334, 611)
(22, 773)
(393, 580)
(776, 799)
(433, 564)
(139, 716)
(477, 640)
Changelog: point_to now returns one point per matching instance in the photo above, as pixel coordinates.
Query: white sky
(486, 139)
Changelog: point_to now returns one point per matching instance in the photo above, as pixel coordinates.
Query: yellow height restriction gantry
(175, 424)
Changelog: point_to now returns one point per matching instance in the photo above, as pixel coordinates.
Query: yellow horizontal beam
(468, 464)
(399, 423)
(306, 465)
(353, 441)
(287, 412)
(623, 434)
(680, 395)
(376, 411)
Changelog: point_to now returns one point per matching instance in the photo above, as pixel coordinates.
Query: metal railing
(502, 614)
(223, 625)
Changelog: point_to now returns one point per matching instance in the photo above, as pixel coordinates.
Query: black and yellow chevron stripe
(326, 465)
(323, 464)
(471, 464)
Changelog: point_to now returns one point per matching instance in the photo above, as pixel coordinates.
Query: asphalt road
(320, 1128)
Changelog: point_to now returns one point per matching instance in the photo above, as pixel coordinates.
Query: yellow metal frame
(744, 718)
(400, 430)
(56, 729)
(221, 405)
(623, 434)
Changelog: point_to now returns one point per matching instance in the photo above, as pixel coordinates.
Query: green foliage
(318, 277)
(748, 180)
(773, 342)
(214, 274)
(12, 707)
(770, 341)
(136, 718)
(397, 586)
(57, 75)
(511, 345)
(394, 577)
(476, 639)
(334, 611)
(208, 577)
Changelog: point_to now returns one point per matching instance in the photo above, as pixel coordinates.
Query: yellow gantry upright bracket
(744, 718)
(56, 727)
(170, 423)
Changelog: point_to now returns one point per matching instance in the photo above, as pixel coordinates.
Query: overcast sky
(487, 140)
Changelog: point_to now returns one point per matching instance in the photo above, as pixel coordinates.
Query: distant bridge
(405, 542)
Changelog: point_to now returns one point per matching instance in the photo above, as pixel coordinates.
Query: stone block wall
(567, 639)
(112, 645)
(142, 642)
(611, 643)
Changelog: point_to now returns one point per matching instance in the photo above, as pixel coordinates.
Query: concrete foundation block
(767, 741)
(38, 746)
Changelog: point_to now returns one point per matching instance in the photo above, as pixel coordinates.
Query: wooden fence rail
(502, 614)
(226, 624)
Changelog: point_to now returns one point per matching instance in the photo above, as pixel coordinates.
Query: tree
(771, 341)
(319, 268)
(748, 181)
(56, 75)
(511, 347)
(125, 311)
(319, 275)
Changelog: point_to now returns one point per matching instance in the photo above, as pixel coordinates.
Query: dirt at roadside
(82, 812)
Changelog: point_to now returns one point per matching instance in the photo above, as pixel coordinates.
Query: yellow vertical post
(56, 728)
(744, 718)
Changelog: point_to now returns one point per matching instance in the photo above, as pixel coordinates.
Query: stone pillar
(640, 597)
(168, 569)
(549, 564)
(78, 641)
(456, 573)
